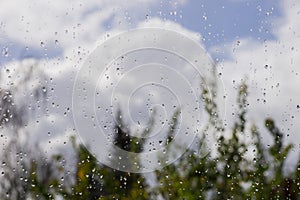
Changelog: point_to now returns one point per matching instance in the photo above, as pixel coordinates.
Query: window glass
(148, 99)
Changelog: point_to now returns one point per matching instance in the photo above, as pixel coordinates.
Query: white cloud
(170, 25)
(41, 23)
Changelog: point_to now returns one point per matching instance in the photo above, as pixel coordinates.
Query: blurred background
(248, 151)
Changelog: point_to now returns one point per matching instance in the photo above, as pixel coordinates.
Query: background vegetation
(229, 174)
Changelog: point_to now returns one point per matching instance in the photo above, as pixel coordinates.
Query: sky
(216, 22)
(255, 40)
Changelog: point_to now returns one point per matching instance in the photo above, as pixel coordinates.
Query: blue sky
(224, 21)
(217, 21)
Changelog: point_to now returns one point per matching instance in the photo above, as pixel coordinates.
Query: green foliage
(96, 181)
(229, 173)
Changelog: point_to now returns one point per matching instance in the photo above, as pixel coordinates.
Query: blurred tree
(231, 158)
(198, 174)
(25, 173)
(230, 174)
(96, 181)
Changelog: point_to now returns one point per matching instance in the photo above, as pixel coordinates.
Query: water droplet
(266, 66)
(5, 52)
